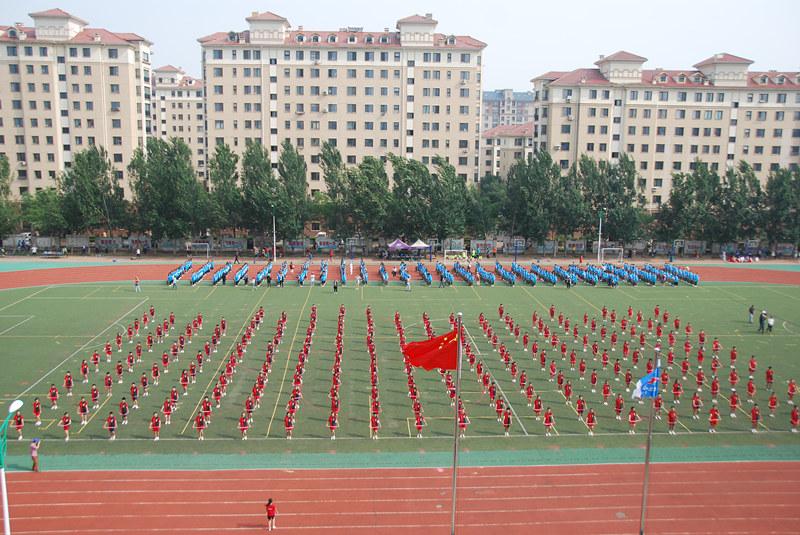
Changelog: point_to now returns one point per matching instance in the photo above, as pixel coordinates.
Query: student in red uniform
(110, 425)
(155, 426)
(537, 407)
(633, 419)
(83, 410)
(619, 404)
(19, 423)
(288, 424)
(37, 412)
(696, 404)
(792, 390)
(272, 512)
(419, 422)
(65, 423)
(166, 408)
(53, 395)
(200, 425)
(375, 425)
(773, 404)
(672, 419)
(794, 419)
(755, 417)
(549, 421)
(507, 420)
(333, 423)
(713, 419)
(733, 401)
(94, 393)
(244, 424)
(68, 383)
(770, 377)
(591, 421)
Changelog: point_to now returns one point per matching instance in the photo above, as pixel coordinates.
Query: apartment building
(506, 106)
(718, 111)
(178, 112)
(412, 92)
(65, 86)
(505, 144)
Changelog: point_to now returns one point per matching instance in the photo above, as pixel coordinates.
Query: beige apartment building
(506, 106)
(178, 112)
(412, 92)
(65, 86)
(505, 144)
(718, 111)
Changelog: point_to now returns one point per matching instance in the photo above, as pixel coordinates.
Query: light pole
(14, 407)
(600, 237)
(274, 249)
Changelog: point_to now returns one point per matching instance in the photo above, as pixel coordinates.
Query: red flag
(437, 353)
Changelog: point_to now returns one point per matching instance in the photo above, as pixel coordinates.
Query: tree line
(536, 200)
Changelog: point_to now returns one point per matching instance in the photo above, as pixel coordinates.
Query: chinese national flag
(437, 353)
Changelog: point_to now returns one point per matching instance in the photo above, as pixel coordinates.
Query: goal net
(611, 254)
(457, 254)
(199, 249)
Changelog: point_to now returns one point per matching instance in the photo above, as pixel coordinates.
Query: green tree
(225, 194)
(367, 197)
(9, 210)
(782, 214)
(92, 197)
(411, 207)
(740, 205)
(164, 189)
(292, 196)
(259, 189)
(486, 203)
(449, 200)
(568, 207)
(529, 191)
(335, 176)
(613, 189)
(43, 212)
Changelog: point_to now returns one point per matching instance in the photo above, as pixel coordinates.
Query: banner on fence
(111, 243)
(785, 249)
(76, 241)
(547, 247)
(46, 242)
(694, 246)
(296, 245)
(575, 246)
(662, 247)
(138, 241)
(482, 246)
(325, 244)
(231, 244)
(453, 244)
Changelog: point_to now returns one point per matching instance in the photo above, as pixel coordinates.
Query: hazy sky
(525, 38)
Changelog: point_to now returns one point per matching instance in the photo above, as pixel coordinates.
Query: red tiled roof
(417, 19)
(86, 36)
(509, 130)
(267, 15)
(439, 40)
(57, 13)
(621, 56)
(582, 76)
(550, 75)
(723, 57)
(168, 68)
(132, 37)
(791, 80)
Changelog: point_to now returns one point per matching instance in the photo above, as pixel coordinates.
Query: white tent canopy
(419, 244)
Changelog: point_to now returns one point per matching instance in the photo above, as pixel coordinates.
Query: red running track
(747, 497)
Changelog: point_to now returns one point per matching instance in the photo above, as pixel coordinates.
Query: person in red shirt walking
(200, 425)
(110, 425)
(65, 424)
(713, 419)
(37, 412)
(773, 404)
(19, 424)
(633, 419)
(591, 421)
(272, 512)
(549, 421)
(795, 419)
(507, 420)
(155, 426)
(244, 424)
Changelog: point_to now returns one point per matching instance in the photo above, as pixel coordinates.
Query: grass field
(46, 331)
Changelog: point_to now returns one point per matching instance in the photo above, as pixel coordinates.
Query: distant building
(412, 92)
(65, 87)
(718, 111)
(506, 106)
(178, 112)
(503, 145)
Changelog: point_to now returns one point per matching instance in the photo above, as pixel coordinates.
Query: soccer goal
(197, 249)
(611, 254)
(457, 254)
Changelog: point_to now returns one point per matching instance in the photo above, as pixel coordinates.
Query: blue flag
(647, 386)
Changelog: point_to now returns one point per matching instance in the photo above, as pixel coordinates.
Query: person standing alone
(272, 511)
(750, 312)
(35, 443)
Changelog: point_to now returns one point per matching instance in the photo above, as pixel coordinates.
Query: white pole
(646, 483)
(600, 237)
(455, 426)
(274, 247)
(6, 519)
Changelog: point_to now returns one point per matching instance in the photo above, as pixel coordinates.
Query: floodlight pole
(459, 322)
(600, 237)
(647, 453)
(15, 406)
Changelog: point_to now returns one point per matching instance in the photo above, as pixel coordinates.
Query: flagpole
(647, 455)
(455, 425)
